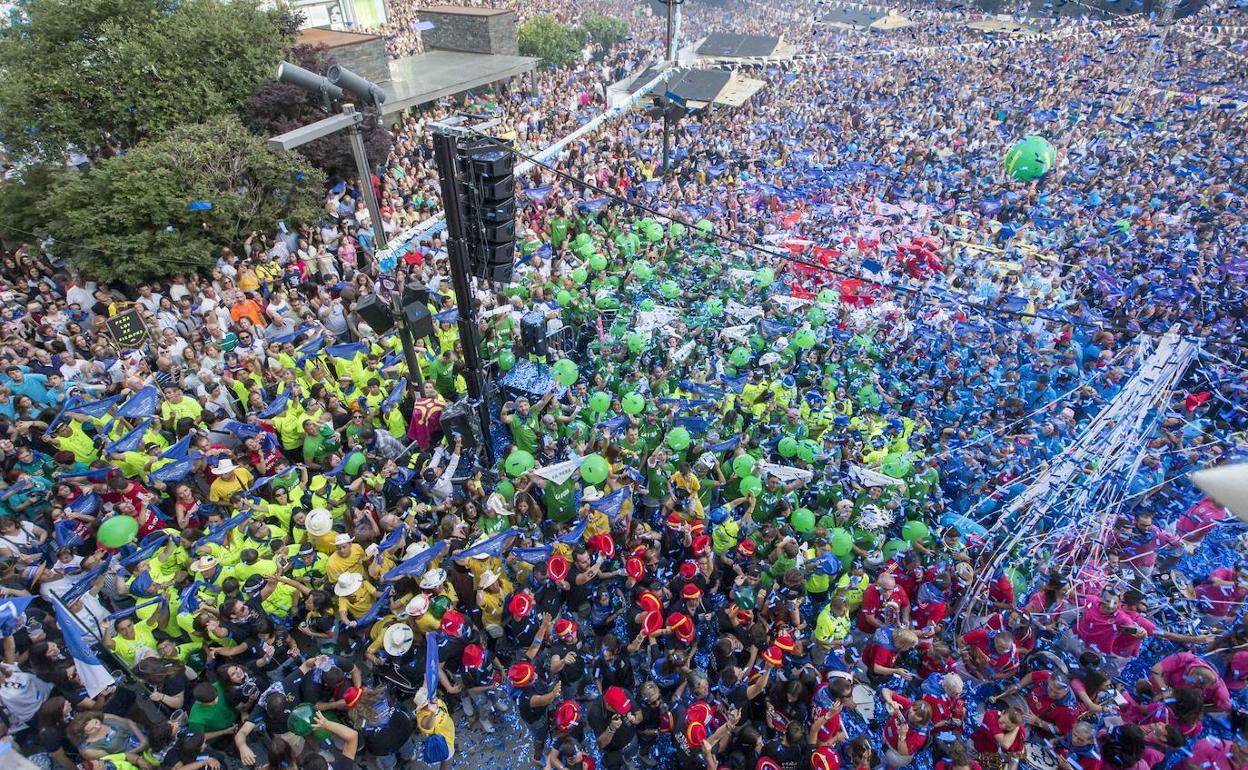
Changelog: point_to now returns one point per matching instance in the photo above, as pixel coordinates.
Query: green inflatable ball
(714, 307)
(677, 230)
(636, 342)
(518, 463)
(506, 489)
(765, 277)
(914, 530)
(594, 469)
(647, 305)
(757, 343)
(580, 275)
(600, 401)
(804, 339)
(817, 316)
(117, 531)
(634, 404)
(597, 261)
(788, 447)
(842, 541)
(751, 485)
(643, 269)
(566, 372)
(669, 289)
(894, 547)
(563, 297)
(1030, 158)
(678, 438)
(506, 360)
(828, 297)
(743, 465)
(809, 450)
(803, 520)
(704, 227)
(739, 357)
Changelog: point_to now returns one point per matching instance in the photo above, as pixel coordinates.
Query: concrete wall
(367, 59)
(472, 32)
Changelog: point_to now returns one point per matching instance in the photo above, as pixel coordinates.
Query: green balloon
(597, 261)
(896, 465)
(704, 227)
(506, 360)
(677, 230)
(788, 447)
(518, 463)
(803, 520)
(842, 541)
(750, 485)
(636, 342)
(669, 289)
(563, 297)
(765, 277)
(506, 489)
(743, 465)
(607, 302)
(804, 339)
(300, 720)
(566, 372)
(582, 240)
(117, 530)
(1030, 158)
(817, 316)
(714, 307)
(894, 547)
(678, 438)
(594, 469)
(647, 305)
(643, 269)
(354, 462)
(914, 530)
(757, 343)
(809, 450)
(828, 297)
(600, 401)
(580, 275)
(739, 357)
(634, 404)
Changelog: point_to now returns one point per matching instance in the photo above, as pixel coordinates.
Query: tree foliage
(605, 31)
(276, 108)
(545, 37)
(24, 216)
(103, 75)
(129, 219)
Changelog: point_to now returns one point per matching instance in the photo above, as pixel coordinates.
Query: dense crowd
(746, 517)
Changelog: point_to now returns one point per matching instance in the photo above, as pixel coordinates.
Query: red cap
(352, 696)
(699, 711)
(557, 567)
(697, 528)
(745, 617)
(695, 733)
(675, 520)
(650, 601)
(773, 655)
(691, 591)
(635, 568)
(567, 715)
(603, 544)
(682, 626)
(701, 544)
(474, 656)
(825, 758)
(452, 623)
(521, 674)
(565, 629)
(520, 606)
(652, 622)
(617, 700)
(785, 642)
(688, 569)
(746, 547)
(767, 763)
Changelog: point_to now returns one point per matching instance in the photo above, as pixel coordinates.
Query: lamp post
(349, 119)
(673, 7)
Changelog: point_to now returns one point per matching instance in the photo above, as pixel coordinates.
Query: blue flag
(95, 408)
(131, 441)
(490, 547)
(725, 446)
(67, 534)
(534, 555)
(141, 404)
(447, 316)
(86, 504)
(84, 581)
(378, 609)
(417, 565)
(147, 551)
(95, 677)
(189, 597)
(240, 429)
(10, 611)
(98, 474)
(179, 450)
(347, 350)
(431, 663)
(174, 471)
(612, 503)
(575, 534)
(396, 394)
(276, 407)
(217, 535)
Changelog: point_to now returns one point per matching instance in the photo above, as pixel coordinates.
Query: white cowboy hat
(415, 549)
(487, 579)
(418, 606)
(590, 494)
(225, 465)
(342, 538)
(319, 522)
(398, 639)
(348, 583)
(204, 564)
(432, 579)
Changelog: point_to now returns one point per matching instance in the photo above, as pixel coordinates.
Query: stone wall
(470, 29)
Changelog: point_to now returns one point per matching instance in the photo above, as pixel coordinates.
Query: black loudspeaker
(375, 313)
(418, 319)
(489, 207)
(417, 293)
(533, 333)
(461, 418)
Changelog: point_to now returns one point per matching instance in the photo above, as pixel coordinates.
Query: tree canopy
(100, 76)
(554, 42)
(168, 205)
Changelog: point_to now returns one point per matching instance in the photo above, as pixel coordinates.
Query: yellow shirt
(358, 604)
(128, 649)
(442, 724)
(339, 565)
(187, 407)
(222, 488)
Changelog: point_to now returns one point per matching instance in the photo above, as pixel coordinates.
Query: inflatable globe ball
(1030, 158)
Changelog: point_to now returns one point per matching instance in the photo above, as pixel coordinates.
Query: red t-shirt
(878, 655)
(1061, 715)
(872, 603)
(915, 737)
(985, 738)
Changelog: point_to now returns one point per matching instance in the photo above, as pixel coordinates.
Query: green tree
(142, 214)
(545, 37)
(606, 32)
(103, 75)
(24, 217)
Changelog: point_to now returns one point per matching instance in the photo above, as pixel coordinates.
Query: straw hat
(319, 522)
(225, 465)
(418, 606)
(415, 549)
(488, 578)
(398, 639)
(348, 583)
(204, 564)
(432, 579)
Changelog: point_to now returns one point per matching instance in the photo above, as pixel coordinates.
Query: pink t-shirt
(1099, 630)
(1198, 520)
(1210, 754)
(1128, 645)
(1174, 670)
(1223, 600)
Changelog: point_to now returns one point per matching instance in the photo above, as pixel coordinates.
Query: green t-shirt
(524, 431)
(211, 718)
(561, 500)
